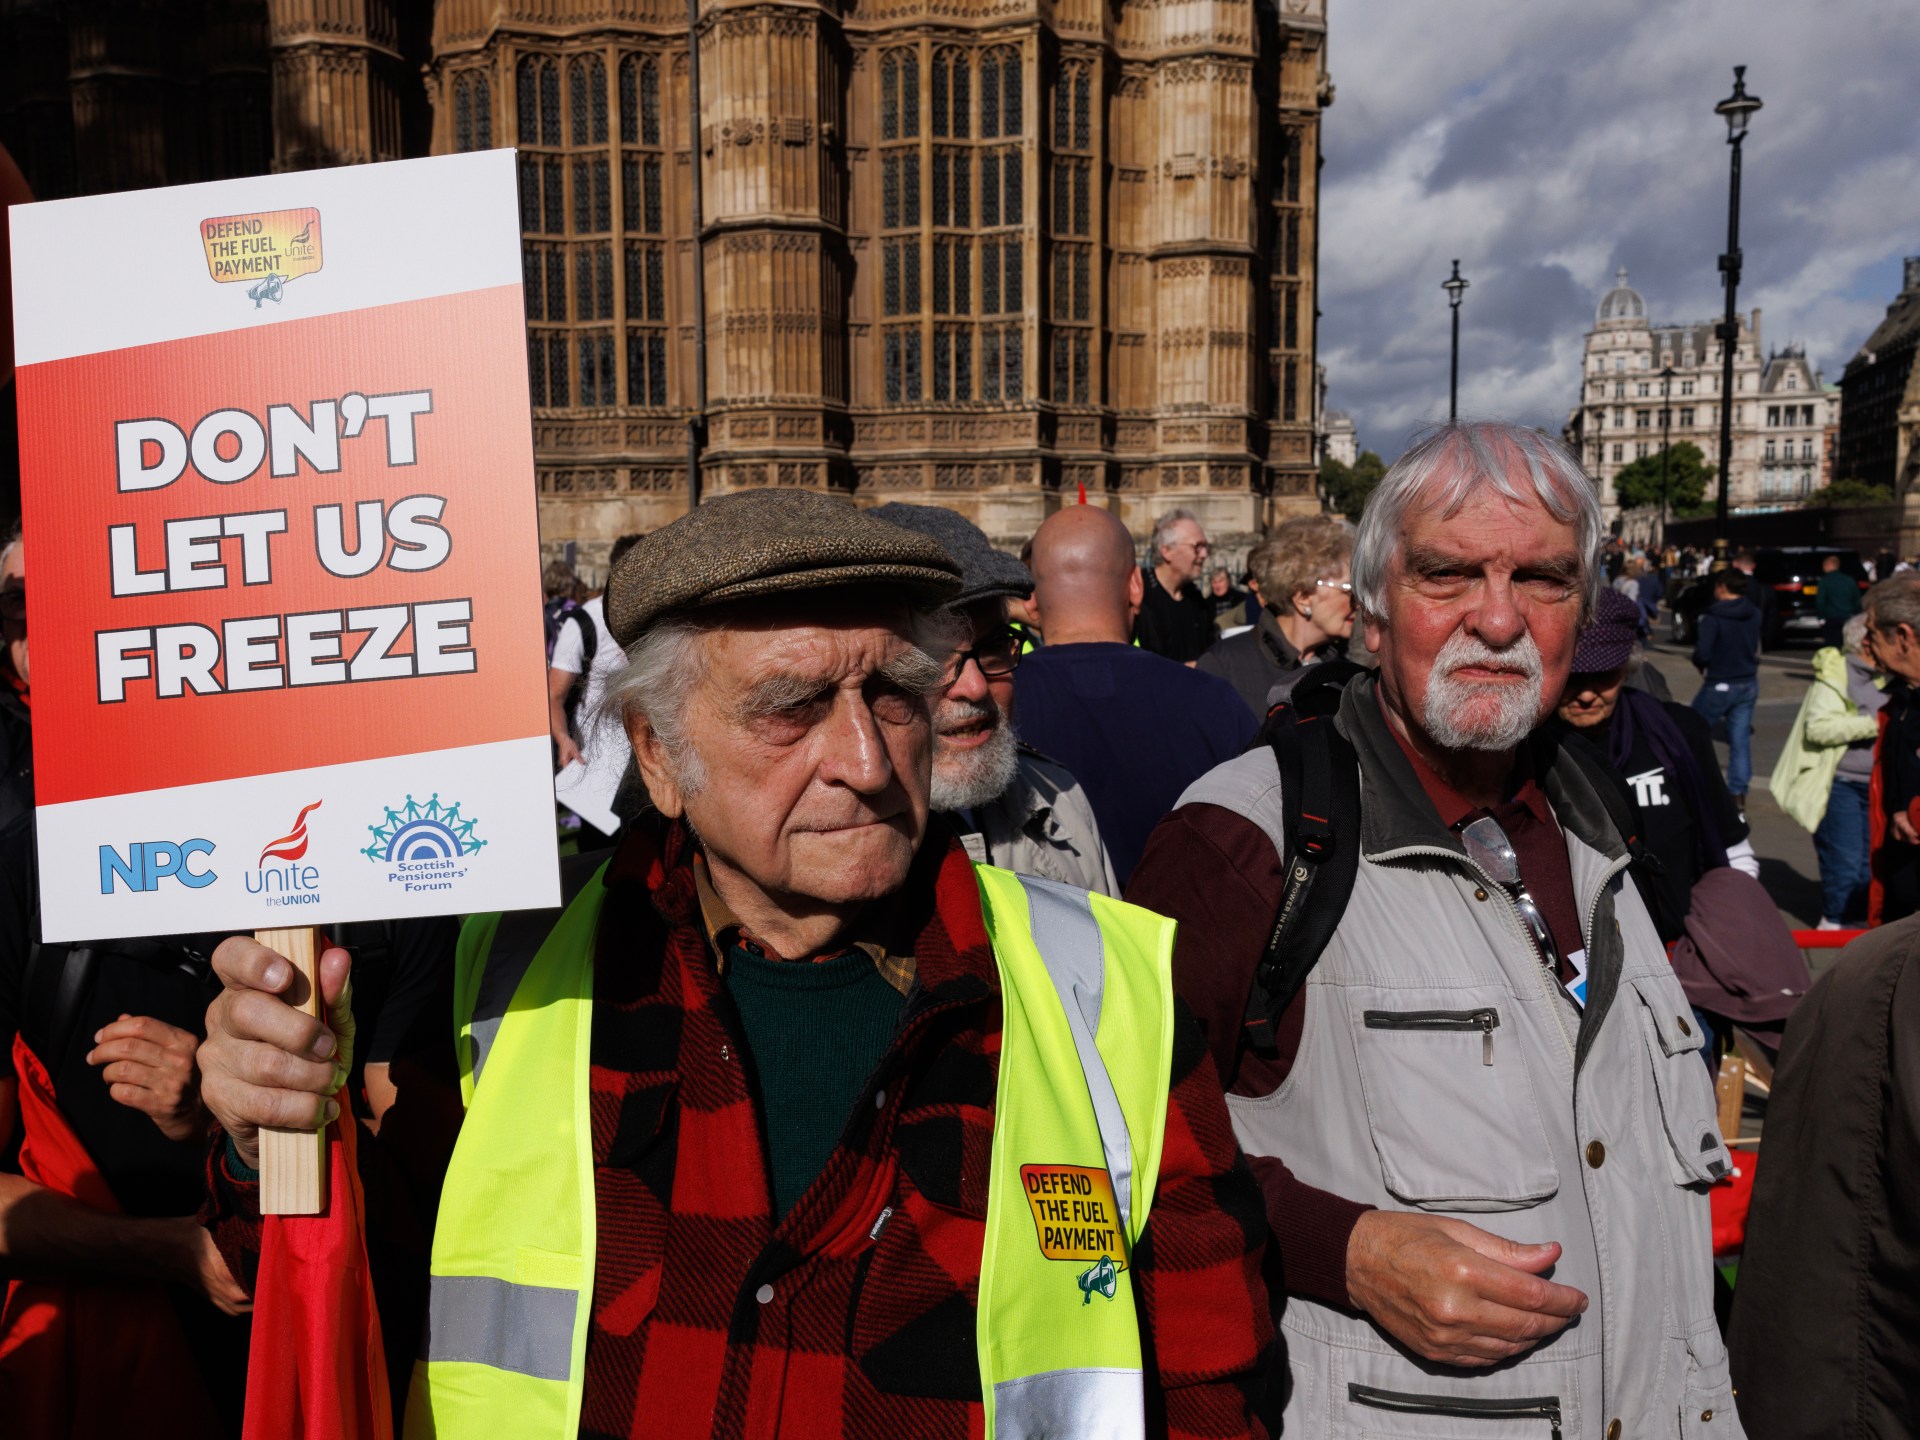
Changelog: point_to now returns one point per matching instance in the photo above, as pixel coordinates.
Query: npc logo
(262, 251)
(148, 862)
(290, 883)
(424, 847)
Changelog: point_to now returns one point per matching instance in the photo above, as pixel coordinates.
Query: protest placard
(277, 476)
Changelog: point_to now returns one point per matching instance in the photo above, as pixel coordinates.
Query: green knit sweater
(815, 1032)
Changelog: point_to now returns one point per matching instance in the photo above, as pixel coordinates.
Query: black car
(1790, 574)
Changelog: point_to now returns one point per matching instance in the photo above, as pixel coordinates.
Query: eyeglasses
(997, 654)
(13, 602)
(1200, 547)
(1489, 848)
(1345, 587)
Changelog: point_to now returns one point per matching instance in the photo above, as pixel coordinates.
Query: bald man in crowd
(1135, 729)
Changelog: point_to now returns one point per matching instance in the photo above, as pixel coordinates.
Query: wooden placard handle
(293, 1163)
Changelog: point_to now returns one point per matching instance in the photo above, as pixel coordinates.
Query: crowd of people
(1073, 994)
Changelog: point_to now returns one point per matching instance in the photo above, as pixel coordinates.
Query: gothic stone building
(1782, 409)
(980, 253)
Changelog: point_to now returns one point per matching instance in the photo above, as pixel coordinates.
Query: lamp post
(1455, 288)
(1737, 109)
(1666, 433)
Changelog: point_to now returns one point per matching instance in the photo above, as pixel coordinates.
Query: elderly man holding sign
(794, 1121)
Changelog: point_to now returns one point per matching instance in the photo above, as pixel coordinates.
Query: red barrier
(1825, 939)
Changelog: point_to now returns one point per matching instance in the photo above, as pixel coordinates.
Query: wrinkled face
(1590, 699)
(1895, 649)
(1185, 550)
(1483, 607)
(973, 754)
(13, 608)
(1328, 607)
(815, 740)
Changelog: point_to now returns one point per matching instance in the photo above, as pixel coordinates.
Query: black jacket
(16, 756)
(1252, 661)
(1828, 1304)
(1728, 648)
(1179, 627)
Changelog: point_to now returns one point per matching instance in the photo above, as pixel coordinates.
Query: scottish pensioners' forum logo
(262, 251)
(424, 846)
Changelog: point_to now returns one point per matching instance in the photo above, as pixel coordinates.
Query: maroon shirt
(1205, 850)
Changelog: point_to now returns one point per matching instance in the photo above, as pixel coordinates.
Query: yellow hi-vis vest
(1079, 1119)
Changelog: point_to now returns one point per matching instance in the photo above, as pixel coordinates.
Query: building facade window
(1074, 266)
(901, 219)
(593, 216)
(472, 111)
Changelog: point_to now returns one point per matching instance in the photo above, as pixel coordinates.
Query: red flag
(317, 1370)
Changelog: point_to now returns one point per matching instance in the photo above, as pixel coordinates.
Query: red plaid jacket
(854, 1314)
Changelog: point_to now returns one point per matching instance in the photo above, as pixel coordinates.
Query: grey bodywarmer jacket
(1442, 1069)
(1041, 825)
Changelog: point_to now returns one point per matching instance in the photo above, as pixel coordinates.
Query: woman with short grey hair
(1302, 574)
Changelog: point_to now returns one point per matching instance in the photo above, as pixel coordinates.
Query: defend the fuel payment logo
(262, 251)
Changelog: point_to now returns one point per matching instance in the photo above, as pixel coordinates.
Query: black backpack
(1320, 807)
(589, 643)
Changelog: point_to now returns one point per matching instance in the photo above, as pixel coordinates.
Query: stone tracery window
(642, 202)
(472, 111)
(1073, 309)
(593, 216)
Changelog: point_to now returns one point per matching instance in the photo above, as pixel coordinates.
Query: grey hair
(1853, 633)
(665, 665)
(1895, 601)
(1158, 539)
(1447, 464)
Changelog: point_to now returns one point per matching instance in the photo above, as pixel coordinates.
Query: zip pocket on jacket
(1485, 1021)
(1543, 1407)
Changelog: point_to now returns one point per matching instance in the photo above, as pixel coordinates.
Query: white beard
(1462, 715)
(964, 779)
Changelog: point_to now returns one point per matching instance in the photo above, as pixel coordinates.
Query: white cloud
(1546, 142)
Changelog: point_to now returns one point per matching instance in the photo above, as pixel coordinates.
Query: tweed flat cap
(985, 573)
(769, 542)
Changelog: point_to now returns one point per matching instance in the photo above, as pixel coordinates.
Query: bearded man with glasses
(1013, 806)
(1481, 1125)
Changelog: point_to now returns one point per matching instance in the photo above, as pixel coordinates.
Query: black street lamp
(1455, 287)
(1737, 109)
(1666, 433)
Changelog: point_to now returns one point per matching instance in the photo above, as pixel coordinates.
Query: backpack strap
(1320, 804)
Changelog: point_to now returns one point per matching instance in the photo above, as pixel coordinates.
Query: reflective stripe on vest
(511, 1281)
(1086, 1048)
(1080, 1113)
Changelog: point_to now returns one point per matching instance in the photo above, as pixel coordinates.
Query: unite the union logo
(423, 846)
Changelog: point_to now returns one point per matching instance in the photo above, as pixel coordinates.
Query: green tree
(1688, 476)
(1842, 493)
(1348, 486)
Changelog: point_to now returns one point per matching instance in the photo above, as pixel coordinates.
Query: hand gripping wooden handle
(293, 1163)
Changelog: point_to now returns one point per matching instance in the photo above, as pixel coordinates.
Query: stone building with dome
(1782, 408)
(979, 253)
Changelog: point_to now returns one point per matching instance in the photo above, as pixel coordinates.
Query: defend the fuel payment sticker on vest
(1075, 1213)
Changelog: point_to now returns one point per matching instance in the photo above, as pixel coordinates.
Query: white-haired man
(1490, 1075)
(782, 1127)
(1175, 619)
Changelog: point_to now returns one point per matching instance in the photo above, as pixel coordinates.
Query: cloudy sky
(1547, 142)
